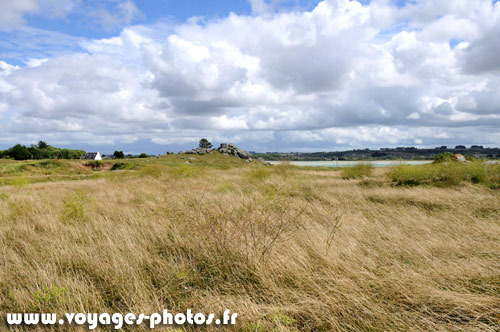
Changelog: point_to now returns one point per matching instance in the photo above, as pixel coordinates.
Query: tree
(118, 155)
(42, 145)
(205, 144)
(19, 152)
(143, 155)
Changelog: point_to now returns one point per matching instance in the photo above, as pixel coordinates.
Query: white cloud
(12, 12)
(341, 74)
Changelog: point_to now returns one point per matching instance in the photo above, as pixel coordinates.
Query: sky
(267, 75)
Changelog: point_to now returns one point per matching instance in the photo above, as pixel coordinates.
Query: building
(92, 156)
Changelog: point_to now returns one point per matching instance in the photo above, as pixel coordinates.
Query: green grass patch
(184, 171)
(74, 207)
(446, 174)
(50, 297)
(357, 171)
(259, 174)
(122, 166)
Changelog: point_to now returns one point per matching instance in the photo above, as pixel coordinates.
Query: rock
(198, 151)
(230, 149)
(243, 154)
(187, 162)
(261, 160)
(191, 158)
(459, 157)
(492, 162)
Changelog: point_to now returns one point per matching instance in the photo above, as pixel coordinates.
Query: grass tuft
(357, 171)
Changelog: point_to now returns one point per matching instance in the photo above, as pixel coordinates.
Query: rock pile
(225, 149)
(231, 150)
(200, 151)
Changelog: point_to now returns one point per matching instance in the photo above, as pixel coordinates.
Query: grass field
(288, 249)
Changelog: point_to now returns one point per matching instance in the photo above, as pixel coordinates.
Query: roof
(90, 155)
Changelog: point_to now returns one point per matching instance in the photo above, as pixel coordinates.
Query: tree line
(39, 151)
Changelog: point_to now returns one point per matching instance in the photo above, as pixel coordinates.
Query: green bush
(122, 166)
(357, 171)
(443, 157)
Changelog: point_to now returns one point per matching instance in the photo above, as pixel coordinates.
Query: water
(344, 163)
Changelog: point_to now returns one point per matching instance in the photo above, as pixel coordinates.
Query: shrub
(143, 155)
(122, 166)
(443, 157)
(357, 171)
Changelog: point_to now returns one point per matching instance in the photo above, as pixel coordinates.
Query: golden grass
(286, 248)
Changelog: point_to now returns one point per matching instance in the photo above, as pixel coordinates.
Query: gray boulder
(243, 154)
(231, 150)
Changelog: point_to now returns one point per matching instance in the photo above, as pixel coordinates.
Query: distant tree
(19, 152)
(42, 145)
(143, 155)
(118, 155)
(205, 144)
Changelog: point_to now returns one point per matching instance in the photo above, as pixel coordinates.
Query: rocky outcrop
(225, 149)
(231, 150)
(199, 151)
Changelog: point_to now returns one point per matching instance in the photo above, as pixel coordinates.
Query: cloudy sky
(268, 75)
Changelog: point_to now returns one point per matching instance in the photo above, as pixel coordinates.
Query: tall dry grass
(288, 249)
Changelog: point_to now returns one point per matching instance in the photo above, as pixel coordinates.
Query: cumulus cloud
(343, 74)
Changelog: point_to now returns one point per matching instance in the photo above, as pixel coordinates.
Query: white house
(92, 156)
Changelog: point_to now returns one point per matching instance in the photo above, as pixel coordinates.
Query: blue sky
(268, 75)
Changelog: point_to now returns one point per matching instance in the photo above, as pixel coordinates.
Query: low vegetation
(447, 174)
(357, 171)
(288, 249)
